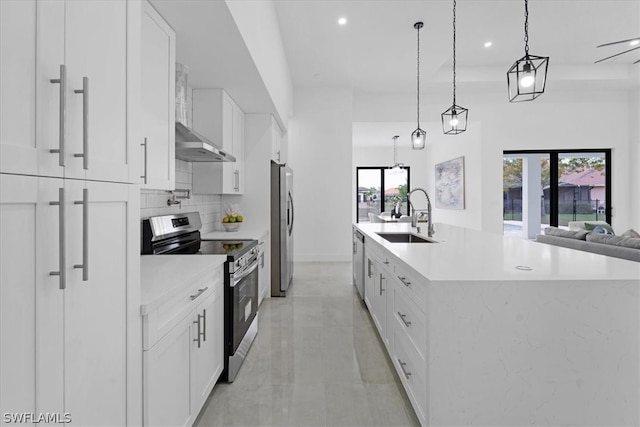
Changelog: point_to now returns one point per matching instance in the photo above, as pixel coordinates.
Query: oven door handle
(244, 273)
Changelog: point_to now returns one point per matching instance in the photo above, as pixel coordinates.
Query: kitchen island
(490, 330)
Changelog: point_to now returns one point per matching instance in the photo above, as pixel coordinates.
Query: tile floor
(317, 361)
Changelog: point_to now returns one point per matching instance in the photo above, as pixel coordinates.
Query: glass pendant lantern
(454, 119)
(527, 76)
(418, 136)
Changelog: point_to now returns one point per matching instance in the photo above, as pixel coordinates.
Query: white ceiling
(376, 51)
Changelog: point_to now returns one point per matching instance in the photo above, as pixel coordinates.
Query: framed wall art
(450, 184)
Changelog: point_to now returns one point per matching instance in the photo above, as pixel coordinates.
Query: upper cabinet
(277, 149)
(218, 118)
(158, 106)
(63, 69)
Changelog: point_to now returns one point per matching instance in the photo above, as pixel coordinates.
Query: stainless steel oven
(242, 276)
(180, 234)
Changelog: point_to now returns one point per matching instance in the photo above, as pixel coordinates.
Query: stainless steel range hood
(193, 147)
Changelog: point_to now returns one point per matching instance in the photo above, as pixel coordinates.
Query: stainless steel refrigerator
(282, 219)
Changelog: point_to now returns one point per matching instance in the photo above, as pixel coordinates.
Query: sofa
(581, 236)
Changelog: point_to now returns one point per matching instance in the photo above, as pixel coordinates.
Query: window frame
(554, 156)
(382, 184)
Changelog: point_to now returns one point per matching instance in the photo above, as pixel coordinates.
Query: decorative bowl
(231, 226)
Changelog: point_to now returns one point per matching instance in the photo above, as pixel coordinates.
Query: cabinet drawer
(160, 321)
(410, 319)
(411, 282)
(412, 369)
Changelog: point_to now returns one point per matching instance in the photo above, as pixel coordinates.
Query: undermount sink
(404, 238)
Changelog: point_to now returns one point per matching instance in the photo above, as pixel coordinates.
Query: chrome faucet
(414, 216)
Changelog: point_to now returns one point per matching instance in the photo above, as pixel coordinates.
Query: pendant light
(418, 137)
(528, 75)
(454, 119)
(397, 167)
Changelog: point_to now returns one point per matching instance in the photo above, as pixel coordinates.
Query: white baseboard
(323, 257)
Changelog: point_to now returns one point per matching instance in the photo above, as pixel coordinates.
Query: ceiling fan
(632, 42)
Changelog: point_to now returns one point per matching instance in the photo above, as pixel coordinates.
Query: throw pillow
(558, 232)
(607, 239)
(631, 233)
(599, 228)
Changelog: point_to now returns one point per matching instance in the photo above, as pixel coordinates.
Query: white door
(96, 61)
(168, 391)
(209, 353)
(18, 224)
(95, 302)
(228, 168)
(158, 101)
(238, 149)
(31, 34)
(30, 297)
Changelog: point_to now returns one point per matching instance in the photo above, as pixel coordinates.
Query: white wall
(422, 164)
(319, 141)
(154, 202)
(596, 119)
(634, 120)
(258, 24)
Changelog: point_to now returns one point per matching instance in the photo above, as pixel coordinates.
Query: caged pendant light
(528, 75)
(454, 119)
(397, 167)
(418, 137)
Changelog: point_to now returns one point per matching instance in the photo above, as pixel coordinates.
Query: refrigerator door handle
(290, 217)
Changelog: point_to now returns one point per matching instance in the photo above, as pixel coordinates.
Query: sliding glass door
(554, 187)
(582, 187)
(378, 189)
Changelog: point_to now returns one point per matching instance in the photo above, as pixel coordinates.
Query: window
(379, 188)
(572, 185)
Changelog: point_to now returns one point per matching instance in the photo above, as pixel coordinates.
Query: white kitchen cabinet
(278, 150)
(23, 272)
(69, 331)
(209, 354)
(217, 117)
(264, 268)
(64, 87)
(158, 101)
(24, 147)
(184, 354)
(375, 291)
(168, 391)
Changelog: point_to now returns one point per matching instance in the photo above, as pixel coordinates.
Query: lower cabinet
(395, 298)
(181, 369)
(66, 253)
(376, 289)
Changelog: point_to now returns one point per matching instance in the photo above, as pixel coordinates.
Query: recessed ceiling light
(488, 44)
(342, 21)
(634, 42)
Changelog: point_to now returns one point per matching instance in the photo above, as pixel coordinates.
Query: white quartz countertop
(241, 234)
(164, 275)
(465, 254)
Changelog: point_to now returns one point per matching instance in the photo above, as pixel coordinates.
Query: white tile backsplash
(154, 202)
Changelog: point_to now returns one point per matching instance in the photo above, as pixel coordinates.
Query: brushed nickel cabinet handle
(236, 174)
(204, 325)
(404, 281)
(404, 371)
(200, 292)
(402, 317)
(85, 234)
(368, 267)
(197, 339)
(85, 122)
(62, 81)
(381, 279)
(61, 244)
(144, 144)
